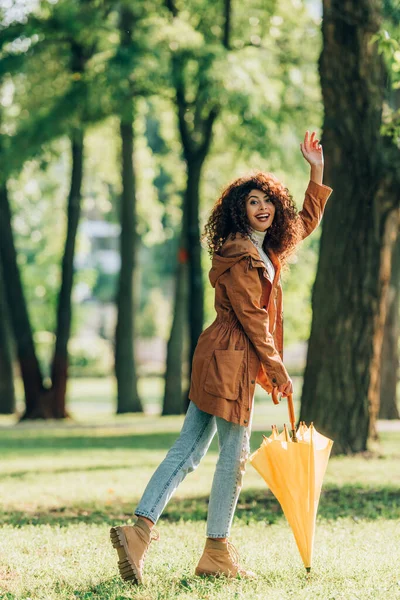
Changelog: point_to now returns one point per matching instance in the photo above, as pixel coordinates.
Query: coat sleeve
(244, 290)
(316, 196)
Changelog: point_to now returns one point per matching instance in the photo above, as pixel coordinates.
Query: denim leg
(183, 457)
(234, 443)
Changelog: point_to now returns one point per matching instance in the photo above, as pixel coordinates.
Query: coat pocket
(223, 373)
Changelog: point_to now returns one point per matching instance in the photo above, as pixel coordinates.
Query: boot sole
(127, 569)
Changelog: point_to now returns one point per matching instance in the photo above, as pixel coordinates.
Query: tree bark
(388, 408)
(196, 286)
(174, 403)
(36, 399)
(191, 248)
(7, 392)
(341, 380)
(128, 399)
(227, 23)
(125, 366)
(59, 370)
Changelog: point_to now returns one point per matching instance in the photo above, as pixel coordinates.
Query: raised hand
(312, 149)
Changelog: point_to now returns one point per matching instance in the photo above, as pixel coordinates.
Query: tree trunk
(341, 380)
(191, 250)
(7, 392)
(388, 408)
(125, 366)
(59, 371)
(174, 403)
(196, 287)
(388, 405)
(36, 399)
(195, 157)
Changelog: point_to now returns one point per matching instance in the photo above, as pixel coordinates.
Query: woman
(252, 230)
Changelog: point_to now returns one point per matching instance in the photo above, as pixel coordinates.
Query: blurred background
(121, 122)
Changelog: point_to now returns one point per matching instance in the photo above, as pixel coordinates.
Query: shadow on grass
(336, 502)
(60, 471)
(254, 506)
(20, 441)
(43, 442)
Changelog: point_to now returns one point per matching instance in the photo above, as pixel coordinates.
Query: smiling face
(260, 210)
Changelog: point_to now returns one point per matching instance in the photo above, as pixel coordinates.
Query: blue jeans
(185, 455)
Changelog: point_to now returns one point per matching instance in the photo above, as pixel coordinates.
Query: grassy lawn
(63, 485)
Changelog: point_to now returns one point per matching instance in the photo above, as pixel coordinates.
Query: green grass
(63, 485)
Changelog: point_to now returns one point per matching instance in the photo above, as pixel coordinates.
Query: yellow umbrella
(293, 468)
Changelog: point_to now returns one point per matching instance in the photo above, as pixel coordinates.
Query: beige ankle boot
(132, 543)
(221, 558)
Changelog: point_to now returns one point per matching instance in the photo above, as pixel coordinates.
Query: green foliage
(105, 287)
(38, 198)
(39, 221)
(90, 356)
(388, 42)
(154, 318)
(297, 286)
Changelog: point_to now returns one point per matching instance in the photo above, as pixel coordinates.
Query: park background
(120, 124)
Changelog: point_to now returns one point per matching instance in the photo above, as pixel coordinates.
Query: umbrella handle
(276, 398)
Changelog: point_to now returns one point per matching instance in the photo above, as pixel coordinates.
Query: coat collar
(234, 250)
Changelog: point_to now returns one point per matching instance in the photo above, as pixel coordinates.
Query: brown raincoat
(244, 345)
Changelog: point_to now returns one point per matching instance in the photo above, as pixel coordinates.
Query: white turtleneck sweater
(257, 237)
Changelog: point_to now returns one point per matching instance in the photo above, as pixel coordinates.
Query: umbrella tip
(308, 569)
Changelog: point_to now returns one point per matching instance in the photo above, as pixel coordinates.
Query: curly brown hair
(228, 215)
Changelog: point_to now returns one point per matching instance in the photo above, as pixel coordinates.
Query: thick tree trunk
(125, 366)
(388, 408)
(59, 371)
(36, 399)
(7, 392)
(173, 403)
(341, 381)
